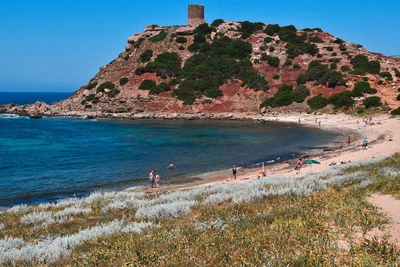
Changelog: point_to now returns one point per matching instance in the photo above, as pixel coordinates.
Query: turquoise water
(51, 158)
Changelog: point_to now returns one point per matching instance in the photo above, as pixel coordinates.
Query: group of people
(155, 180)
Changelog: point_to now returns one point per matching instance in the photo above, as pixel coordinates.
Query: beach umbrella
(311, 162)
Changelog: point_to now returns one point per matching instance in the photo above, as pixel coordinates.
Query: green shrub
(204, 29)
(329, 48)
(207, 101)
(345, 68)
(276, 77)
(272, 61)
(268, 39)
(380, 82)
(334, 54)
(333, 66)
(91, 85)
(386, 75)
(398, 97)
(90, 97)
(365, 79)
(194, 47)
(123, 80)
(296, 66)
(295, 49)
(398, 89)
(319, 55)
(247, 28)
(361, 62)
(272, 29)
(263, 47)
(373, 101)
(342, 100)
(288, 62)
(166, 64)
(396, 72)
(217, 22)
(147, 84)
(162, 87)
(108, 85)
(213, 92)
(395, 111)
(342, 48)
(159, 37)
(126, 57)
(361, 88)
(145, 56)
(271, 49)
(317, 102)
(284, 97)
(181, 40)
(315, 39)
(334, 59)
(88, 106)
(301, 92)
(113, 92)
(174, 81)
(301, 79)
(181, 47)
(83, 102)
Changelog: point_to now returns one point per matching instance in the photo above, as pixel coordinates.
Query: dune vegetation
(320, 219)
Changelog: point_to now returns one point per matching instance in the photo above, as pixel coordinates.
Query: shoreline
(382, 135)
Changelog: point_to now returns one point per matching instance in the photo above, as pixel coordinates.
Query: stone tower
(196, 15)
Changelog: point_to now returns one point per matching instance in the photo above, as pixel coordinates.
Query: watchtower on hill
(196, 15)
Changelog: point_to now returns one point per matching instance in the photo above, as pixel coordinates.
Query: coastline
(382, 134)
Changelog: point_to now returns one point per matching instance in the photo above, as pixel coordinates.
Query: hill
(239, 68)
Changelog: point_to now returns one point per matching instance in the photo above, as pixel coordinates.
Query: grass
(318, 220)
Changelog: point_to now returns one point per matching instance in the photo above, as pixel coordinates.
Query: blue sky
(59, 45)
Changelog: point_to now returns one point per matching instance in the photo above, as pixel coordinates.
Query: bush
(217, 22)
(139, 42)
(365, 79)
(288, 62)
(213, 92)
(395, 111)
(315, 39)
(301, 93)
(333, 66)
(345, 68)
(181, 47)
(181, 40)
(147, 84)
(373, 101)
(268, 39)
(108, 85)
(162, 87)
(194, 47)
(362, 88)
(174, 81)
(396, 72)
(398, 97)
(248, 28)
(91, 85)
(272, 29)
(386, 75)
(166, 64)
(272, 61)
(342, 48)
(204, 29)
(145, 56)
(271, 49)
(329, 48)
(284, 97)
(380, 82)
(276, 77)
(295, 49)
(113, 92)
(90, 97)
(317, 102)
(159, 37)
(342, 100)
(361, 63)
(123, 80)
(296, 66)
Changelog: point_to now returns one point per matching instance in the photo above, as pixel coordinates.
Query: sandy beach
(382, 133)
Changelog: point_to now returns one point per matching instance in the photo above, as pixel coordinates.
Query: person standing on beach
(157, 180)
(365, 143)
(348, 140)
(298, 165)
(151, 177)
(234, 171)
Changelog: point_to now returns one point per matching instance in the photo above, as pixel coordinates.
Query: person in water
(171, 166)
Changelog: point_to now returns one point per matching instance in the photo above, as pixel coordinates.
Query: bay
(43, 160)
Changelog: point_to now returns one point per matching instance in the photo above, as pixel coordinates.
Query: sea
(48, 159)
